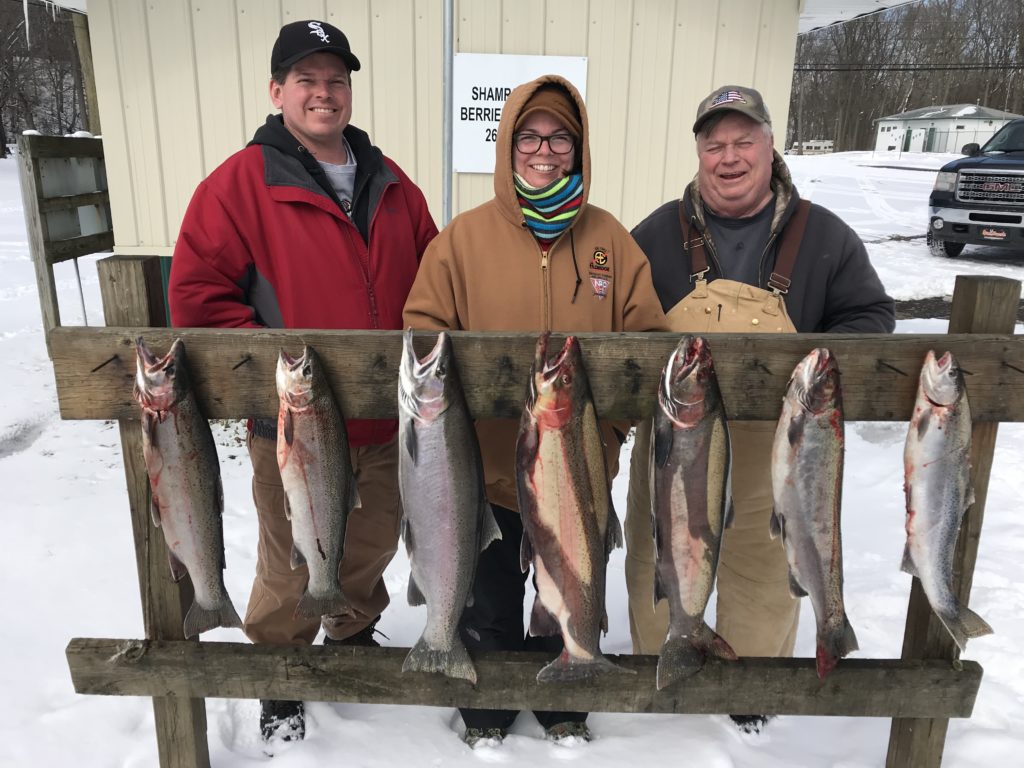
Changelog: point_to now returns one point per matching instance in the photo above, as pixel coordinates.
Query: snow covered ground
(68, 568)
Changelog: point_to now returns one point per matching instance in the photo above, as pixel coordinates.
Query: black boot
(750, 723)
(364, 637)
(284, 720)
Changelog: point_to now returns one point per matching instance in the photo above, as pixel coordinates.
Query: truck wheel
(944, 248)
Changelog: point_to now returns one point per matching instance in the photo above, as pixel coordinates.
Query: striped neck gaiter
(550, 210)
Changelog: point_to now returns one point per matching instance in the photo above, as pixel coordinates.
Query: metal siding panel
(738, 27)
(646, 123)
(220, 84)
(567, 30)
(608, 87)
(353, 18)
(257, 26)
(522, 26)
(478, 29)
(428, 72)
(109, 90)
(694, 46)
(392, 73)
(178, 127)
(139, 108)
(775, 56)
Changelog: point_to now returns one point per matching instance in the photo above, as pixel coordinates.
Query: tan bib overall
(755, 612)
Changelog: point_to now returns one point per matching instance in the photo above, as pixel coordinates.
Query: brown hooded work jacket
(486, 272)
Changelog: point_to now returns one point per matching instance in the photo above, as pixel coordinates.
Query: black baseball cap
(301, 38)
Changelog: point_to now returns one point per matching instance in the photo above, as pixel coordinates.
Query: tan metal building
(182, 84)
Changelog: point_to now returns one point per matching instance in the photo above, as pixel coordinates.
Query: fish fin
(335, 604)
(287, 508)
(298, 559)
(288, 426)
(908, 563)
(489, 530)
(794, 587)
(542, 622)
(963, 625)
(154, 509)
(414, 593)
(730, 514)
(178, 569)
(525, 553)
(405, 531)
(613, 536)
(833, 646)
(565, 669)
(452, 662)
(663, 436)
(659, 590)
(354, 500)
(776, 526)
(199, 620)
(795, 430)
(678, 659)
(410, 439)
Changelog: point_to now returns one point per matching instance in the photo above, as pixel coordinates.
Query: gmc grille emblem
(1000, 186)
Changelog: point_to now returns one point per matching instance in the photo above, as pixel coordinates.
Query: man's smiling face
(735, 166)
(316, 102)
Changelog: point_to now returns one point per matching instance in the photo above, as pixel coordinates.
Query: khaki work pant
(371, 540)
(755, 612)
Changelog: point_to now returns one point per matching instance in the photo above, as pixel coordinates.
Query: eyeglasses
(530, 143)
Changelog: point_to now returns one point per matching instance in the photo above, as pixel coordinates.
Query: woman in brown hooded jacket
(535, 257)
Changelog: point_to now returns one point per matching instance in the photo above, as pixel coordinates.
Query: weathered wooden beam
(35, 227)
(45, 147)
(132, 293)
(982, 306)
(234, 370)
(508, 680)
(83, 245)
(69, 202)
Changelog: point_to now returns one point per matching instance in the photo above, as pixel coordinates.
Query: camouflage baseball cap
(737, 98)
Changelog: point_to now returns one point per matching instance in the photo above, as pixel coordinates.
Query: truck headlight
(945, 181)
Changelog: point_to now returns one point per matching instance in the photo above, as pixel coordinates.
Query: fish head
(557, 384)
(424, 383)
(816, 381)
(160, 382)
(689, 387)
(299, 378)
(942, 380)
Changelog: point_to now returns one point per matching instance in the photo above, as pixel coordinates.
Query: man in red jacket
(309, 226)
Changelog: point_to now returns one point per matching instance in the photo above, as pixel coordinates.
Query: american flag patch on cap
(727, 97)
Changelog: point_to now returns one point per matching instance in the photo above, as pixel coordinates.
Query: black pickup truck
(979, 198)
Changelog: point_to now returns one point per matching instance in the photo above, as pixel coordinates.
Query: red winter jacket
(265, 244)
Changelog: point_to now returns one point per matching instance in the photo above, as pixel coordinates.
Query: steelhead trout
(569, 525)
(937, 465)
(690, 501)
(316, 472)
(184, 475)
(807, 483)
(447, 521)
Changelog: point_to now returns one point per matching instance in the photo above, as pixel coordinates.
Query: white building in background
(939, 129)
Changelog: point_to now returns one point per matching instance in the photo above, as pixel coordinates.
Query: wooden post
(980, 305)
(133, 295)
(35, 224)
(84, 45)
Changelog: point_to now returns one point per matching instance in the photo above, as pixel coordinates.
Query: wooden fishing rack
(234, 377)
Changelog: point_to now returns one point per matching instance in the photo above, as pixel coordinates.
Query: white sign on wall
(481, 83)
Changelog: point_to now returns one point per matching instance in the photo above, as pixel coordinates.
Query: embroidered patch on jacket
(599, 261)
(600, 286)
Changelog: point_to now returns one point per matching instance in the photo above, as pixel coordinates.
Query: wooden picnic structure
(233, 372)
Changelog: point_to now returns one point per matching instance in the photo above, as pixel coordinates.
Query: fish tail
(683, 656)
(964, 624)
(452, 662)
(199, 619)
(565, 669)
(332, 604)
(834, 644)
